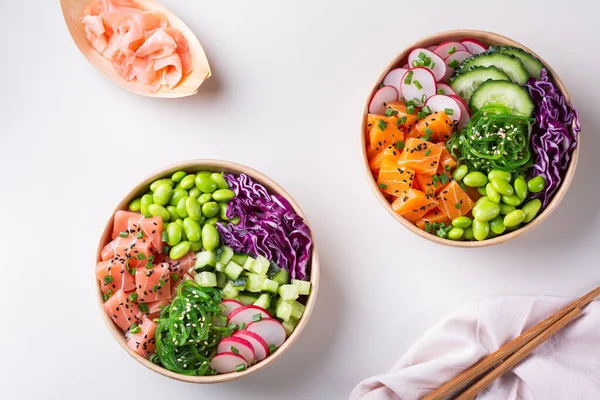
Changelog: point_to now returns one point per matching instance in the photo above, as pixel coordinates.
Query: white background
(290, 79)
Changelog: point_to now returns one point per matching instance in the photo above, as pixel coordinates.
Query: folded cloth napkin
(566, 367)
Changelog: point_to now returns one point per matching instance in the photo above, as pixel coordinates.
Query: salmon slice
(151, 229)
(121, 221)
(408, 120)
(138, 252)
(153, 284)
(113, 275)
(447, 162)
(394, 179)
(437, 126)
(432, 217)
(454, 201)
(413, 204)
(432, 184)
(121, 310)
(421, 156)
(108, 251)
(143, 342)
(156, 307)
(383, 132)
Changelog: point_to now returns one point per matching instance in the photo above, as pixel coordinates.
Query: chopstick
(483, 366)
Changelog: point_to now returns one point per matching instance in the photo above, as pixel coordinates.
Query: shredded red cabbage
(554, 135)
(268, 226)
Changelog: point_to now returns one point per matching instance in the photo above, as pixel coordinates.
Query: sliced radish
(464, 108)
(439, 68)
(443, 48)
(406, 66)
(227, 362)
(458, 56)
(270, 330)
(381, 99)
(243, 347)
(440, 102)
(393, 78)
(431, 48)
(246, 314)
(231, 305)
(474, 46)
(447, 90)
(261, 348)
(416, 83)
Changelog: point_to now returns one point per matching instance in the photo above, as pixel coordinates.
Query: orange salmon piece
(153, 284)
(121, 310)
(439, 123)
(394, 179)
(413, 204)
(410, 119)
(433, 216)
(143, 342)
(383, 132)
(421, 156)
(113, 275)
(454, 201)
(447, 162)
(429, 185)
(121, 221)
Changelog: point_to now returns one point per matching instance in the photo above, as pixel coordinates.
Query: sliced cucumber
(233, 270)
(255, 282)
(282, 277)
(290, 325)
(247, 298)
(507, 94)
(206, 279)
(510, 65)
(465, 83)
(532, 64)
(264, 301)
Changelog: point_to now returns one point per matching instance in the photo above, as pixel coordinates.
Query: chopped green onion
(426, 109)
(420, 63)
(272, 348)
(240, 368)
(418, 84)
(447, 167)
(399, 145)
(451, 50)
(391, 113)
(135, 328)
(174, 277)
(401, 120)
(453, 64)
(441, 91)
(427, 61)
(458, 206)
(234, 350)
(382, 125)
(423, 98)
(432, 65)
(133, 296)
(428, 131)
(427, 227)
(139, 235)
(410, 109)
(444, 178)
(410, 103)
(143, 307)
(141, 256)
(232, 327)
(409, 74)
(383, 186)
(413, 63)
(124, 234)
(108, 279)
(421, 55)
(162, 283)
(242, 326)
(107, 295)
(155, 287)
(421, 114)
(448, 111)
(165, 236)
(166, 249)
(428, 152)
(256, 317)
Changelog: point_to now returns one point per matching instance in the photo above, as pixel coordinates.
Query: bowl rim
(488, 38)
(216, 166)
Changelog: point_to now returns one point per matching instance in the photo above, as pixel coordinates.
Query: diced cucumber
(264, 301)
(249, 264)
(221, 280)
(233, 270)
(302, 286)
(465, 83)
(261, 265)
(297, 309)
(239, 259)
(505, 94)
(290, 325)
(532, 64)
(224, 255)
(247, 298)
(284, 310)
(240, 283)
(282, 277)
(510, 65)
(230, 292)
(288, 292)
(205, 259)
(206, 279)
(270, 286)
(273, 269)
(255, 282)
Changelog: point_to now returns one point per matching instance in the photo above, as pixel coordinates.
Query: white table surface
(290, 78)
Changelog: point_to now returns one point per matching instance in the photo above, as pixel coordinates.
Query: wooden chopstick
(517, 357)
(481, 367)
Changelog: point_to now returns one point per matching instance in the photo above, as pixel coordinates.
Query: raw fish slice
(153, 284)
(143, 342)
(122, 310)
(121, 277)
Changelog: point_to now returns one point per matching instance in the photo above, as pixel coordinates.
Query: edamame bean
(210, 237)
(205, 173)
(178, 176)
(520, 187)
(205, 184)
(482, 191)
(236, 220)
(174, 233)
(223, 211)
(188, 182)
(460, 172)
(468, 235)
(162, 194)
(481, 229)
(223, 195)
(501, 175)
(194, 192)
(513, 228)
(204, 198)
(179, 250)
(146, 201)
(506, 208)
(455, 233)
(135, 205)
(486, 211)
(497, 225)
(481, 200)
(156, 210)
(192, 230)
(179, 222)
(514, 218)
(461, 222)
(173, 212)
(512, 200)
(155, 184)
(475, 179)
(177, 195)
(532, 208)
(220, 181)
(502, 187)
(212, 221)
(196, 246)
(492, 194)
(537, 184)
(210, 209)
(181, 207)
(193, 208)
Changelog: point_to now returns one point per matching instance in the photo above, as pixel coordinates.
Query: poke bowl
(469, 139)
(206, 271)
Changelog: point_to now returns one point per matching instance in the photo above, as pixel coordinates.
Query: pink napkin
(567, 367)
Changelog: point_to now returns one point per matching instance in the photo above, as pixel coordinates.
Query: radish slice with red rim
(440, 102)
(453, 60)
(261, 348)
(474, 46)
(418, 84)
(438, 69)
(431, 48)
(464, 108)
(442, 88)
(230, 306)
(242, 347)
(381, 99)
(393, 78)
(247, 314)
(270, 330)
(227, 362)
(406, 66)
(445, 49)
